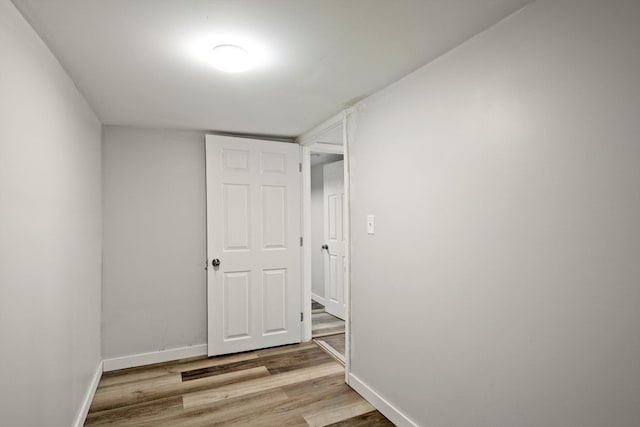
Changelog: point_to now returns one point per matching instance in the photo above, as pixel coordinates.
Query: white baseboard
(154, 357)
(319, 299)
(379, 402)
(88, 398)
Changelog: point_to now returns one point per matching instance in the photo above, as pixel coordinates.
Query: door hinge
(302, 317)
(300, 167)
(301, 241)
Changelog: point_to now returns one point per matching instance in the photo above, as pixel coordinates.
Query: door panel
(333, 218)
(274, 307)
(236, 216)
(253, 228)
(274, 226)
(334, 238)
(236, 296)
(333, 268)
(273, 163)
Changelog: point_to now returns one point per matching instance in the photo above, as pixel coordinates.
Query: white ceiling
(136, 60)
(318, 159)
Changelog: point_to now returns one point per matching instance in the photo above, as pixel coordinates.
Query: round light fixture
(231, 58)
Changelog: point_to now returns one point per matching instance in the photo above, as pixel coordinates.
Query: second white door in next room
(334, 250)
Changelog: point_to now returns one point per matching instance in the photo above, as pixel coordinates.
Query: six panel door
(253, 229)
(334, 256)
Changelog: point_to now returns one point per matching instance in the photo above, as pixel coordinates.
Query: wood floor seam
(296, 385)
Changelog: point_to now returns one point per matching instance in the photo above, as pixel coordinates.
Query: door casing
(312, 141)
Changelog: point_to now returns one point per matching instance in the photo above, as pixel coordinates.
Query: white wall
(503, 281)
(317, 230)
(50, 234)
(154, 294)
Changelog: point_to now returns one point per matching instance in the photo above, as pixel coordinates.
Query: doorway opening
(328, 252)
(325, 167)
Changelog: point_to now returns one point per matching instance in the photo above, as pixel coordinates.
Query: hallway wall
(155, 288)
(502, 281)
(50, 234)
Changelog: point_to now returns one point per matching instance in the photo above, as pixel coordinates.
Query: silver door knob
(215, 262)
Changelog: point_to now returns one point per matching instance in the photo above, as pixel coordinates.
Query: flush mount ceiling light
(230, 58)
(230, 53)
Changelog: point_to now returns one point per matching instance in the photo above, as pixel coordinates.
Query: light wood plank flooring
(297, 385)
(337, 342)
(328, 331)
(322, 323)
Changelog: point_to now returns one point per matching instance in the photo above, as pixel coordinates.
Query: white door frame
(312, 142)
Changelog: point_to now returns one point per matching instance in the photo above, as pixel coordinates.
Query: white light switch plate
(371, 226)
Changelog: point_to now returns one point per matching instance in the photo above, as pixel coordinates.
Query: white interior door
(334, 267)
(253, 229)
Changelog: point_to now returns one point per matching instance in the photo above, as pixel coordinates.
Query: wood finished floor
(297, 385)
(322, 323)
(337, 342)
